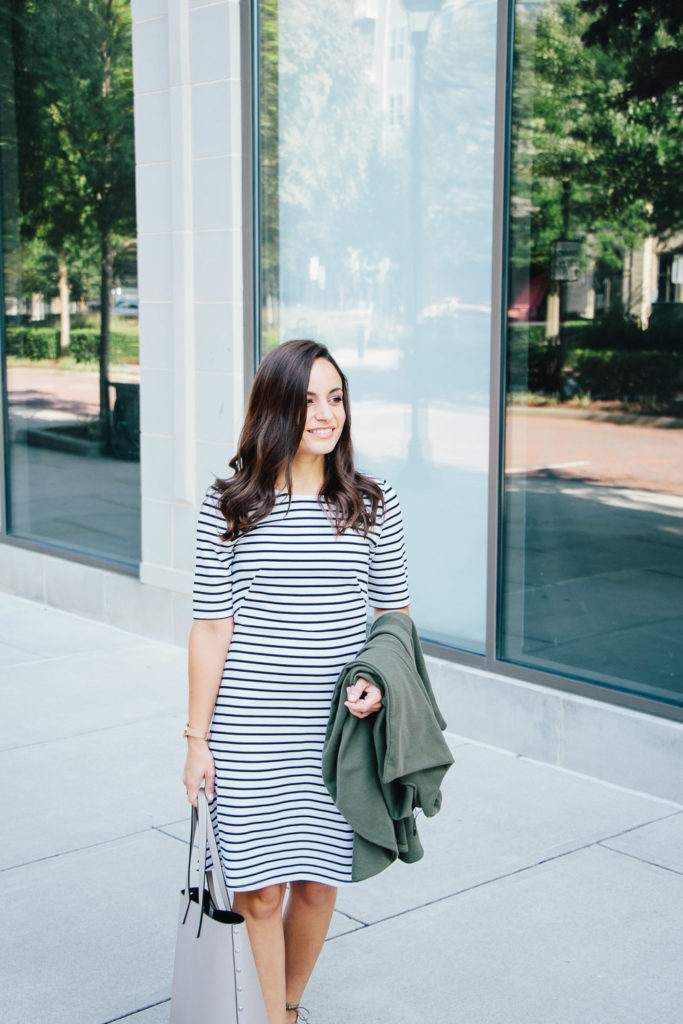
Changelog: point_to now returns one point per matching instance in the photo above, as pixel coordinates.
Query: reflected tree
(605, 161)
(269, 240)
(648, 37)
(328, 128)
(597, 140)
(650, 32)
(74, 102)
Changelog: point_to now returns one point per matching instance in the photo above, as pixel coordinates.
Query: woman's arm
(208, 647)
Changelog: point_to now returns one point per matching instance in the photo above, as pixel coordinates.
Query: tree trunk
(552, 318)
(64, 311)
(107, 266)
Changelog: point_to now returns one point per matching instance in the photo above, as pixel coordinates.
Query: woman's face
(326, 416)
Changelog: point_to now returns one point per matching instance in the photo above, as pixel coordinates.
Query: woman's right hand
(199, 767)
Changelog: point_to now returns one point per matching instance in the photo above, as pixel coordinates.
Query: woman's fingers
(209, 783)
(199, 770)
(363, 698)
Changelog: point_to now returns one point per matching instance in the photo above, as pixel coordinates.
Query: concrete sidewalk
(543, 898)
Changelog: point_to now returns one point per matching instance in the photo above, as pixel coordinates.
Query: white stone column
(186, 61)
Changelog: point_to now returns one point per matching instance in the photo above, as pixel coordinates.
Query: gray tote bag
(214, 976)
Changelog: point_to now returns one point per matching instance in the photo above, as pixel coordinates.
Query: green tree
(74, 97)
(269, 152)
(648, 37)
(590, 159)
(53, 207)
(651, 34)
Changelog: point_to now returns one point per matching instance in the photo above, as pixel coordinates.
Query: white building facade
(355, 172)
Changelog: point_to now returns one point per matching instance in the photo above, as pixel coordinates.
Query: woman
(289, 550)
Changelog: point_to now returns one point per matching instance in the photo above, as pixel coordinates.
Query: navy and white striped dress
(298, 593)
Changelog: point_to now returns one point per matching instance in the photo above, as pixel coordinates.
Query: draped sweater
(379, 770)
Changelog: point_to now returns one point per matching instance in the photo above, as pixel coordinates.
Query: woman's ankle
(296, 1013)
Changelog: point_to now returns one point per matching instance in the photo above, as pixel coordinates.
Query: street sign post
(565, 261)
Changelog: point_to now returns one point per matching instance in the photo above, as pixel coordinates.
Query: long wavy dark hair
(270, 438)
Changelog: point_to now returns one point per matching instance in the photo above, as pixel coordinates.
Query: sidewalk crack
(642, 860)
(37, 659)
(507, 874)
(92, 732)
(356, 920)
(80, 849)
(635, 828)
(125, 1016)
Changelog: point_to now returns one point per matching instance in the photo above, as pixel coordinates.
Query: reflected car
(452, 306)
(125, 307)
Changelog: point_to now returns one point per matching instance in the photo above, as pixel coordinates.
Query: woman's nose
(323, 411)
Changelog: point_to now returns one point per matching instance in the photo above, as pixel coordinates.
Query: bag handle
(201, 822)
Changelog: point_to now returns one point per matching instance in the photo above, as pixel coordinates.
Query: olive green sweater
(381, 768)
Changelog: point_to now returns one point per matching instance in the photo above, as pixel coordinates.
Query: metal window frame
(251, 213)
(5, 521)
(490, 661)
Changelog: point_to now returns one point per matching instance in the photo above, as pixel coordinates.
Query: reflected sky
(379, 245)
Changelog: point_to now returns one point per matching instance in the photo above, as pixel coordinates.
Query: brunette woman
(291, 549)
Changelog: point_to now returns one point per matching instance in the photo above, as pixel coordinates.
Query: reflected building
(476, 206)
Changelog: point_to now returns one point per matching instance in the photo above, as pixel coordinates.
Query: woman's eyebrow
(330, 392)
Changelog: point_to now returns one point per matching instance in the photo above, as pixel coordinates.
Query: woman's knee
(261, 903)
(314, 894)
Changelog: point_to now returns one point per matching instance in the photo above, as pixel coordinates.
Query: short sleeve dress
(299, 595)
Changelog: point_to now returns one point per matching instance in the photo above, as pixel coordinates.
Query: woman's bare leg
(306, 922)
(262, 910)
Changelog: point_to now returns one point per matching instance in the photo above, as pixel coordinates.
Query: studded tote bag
(214, 975)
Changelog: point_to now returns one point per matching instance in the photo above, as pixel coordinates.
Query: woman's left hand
(363, 698)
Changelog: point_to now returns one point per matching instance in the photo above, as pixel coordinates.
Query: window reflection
(376, 155)
(593, 526)
(70, 277)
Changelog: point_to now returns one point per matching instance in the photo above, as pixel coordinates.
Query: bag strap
(216, 873)
(201, 822)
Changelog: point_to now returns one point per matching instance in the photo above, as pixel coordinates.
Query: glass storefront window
(70, 277)
(592, 575)
(375, 195)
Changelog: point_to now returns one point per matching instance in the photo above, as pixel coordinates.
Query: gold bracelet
(196, 733)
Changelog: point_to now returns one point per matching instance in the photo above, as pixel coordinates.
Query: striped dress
(299, 596)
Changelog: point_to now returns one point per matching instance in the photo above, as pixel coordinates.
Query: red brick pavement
(628, 455)
(643, 457)
(75, 393)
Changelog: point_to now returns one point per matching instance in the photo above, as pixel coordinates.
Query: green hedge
(84, 344)
(607, 359)
(33, 342)
(533, 363)
(626, 375)
(43, 343)
(618, 333)
(609, 333)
